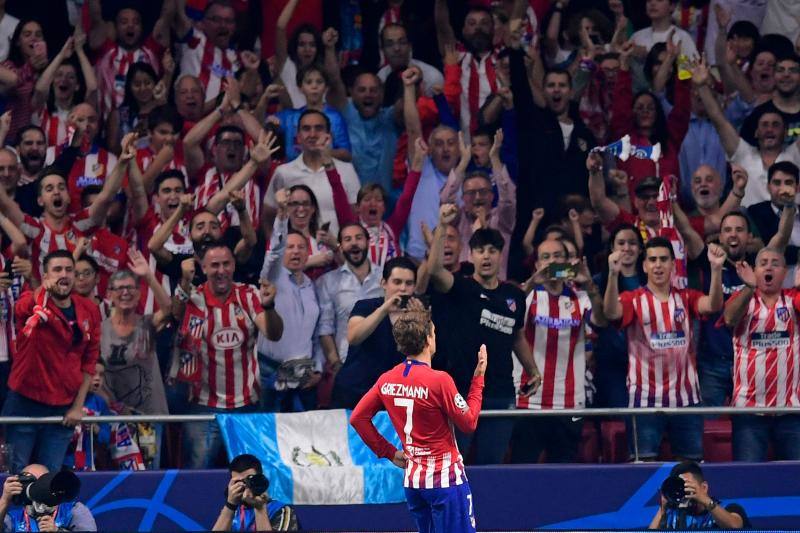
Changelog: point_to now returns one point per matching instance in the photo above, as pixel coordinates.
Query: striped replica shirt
(662, 370)
(43, 239)
(54, 125)
(90, 169)
(556, 328)
(765, 349)
(145, 156)
(212, 182)
(112, 69)
(178, 243)
(223, 334)
(423, 404)
(199, 57)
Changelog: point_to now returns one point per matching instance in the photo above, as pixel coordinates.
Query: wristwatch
(231, 506)
(711, 506)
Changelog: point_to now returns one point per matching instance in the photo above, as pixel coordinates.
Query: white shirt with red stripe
(92, 168)
(423, 404)
(145, 156)
(555, 329)
(178, 243)
(766, 344)
(111, 253)
(478, 81)
(43, 239)
(199, 57)
(54, 125)
(112, 69)
(213, 181)
(662, 371)
(226, 335)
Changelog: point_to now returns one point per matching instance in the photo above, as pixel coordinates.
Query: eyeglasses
(124, 288)
(478, 192)
(306, 203)
(80, 274)
(647, 197)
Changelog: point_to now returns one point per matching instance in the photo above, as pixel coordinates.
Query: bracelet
(181, 294)
(739, 196)
(231, 506)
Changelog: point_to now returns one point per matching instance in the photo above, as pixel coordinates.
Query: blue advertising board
(507, 497)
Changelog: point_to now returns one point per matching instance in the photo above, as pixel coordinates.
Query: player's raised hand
(399, 459)
(480, 368)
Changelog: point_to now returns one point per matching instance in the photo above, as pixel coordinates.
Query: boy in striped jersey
(766, 338)
(662, 371)
(423, 404)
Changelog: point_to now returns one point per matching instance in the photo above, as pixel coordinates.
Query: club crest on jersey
(227, 338)
(567, 305)
(680, 314)
(512, 304)
(98, 169)
(196, 326)
(782, 313)
(238, 311)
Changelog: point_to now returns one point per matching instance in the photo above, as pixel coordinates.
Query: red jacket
(48, 367)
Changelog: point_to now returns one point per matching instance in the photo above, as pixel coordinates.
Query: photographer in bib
(40, 500)
(687, 504)
(248, 506)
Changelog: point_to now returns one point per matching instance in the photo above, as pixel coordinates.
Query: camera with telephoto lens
(257, 483)
(674, 490)
(49, 490)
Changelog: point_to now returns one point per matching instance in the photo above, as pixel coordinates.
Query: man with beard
(552, 164)
(121, 43)
(686, 243)
(246, 511)
(340, 289)
(31, 148)
(206, 51)
(478, 198)
(785, 101)
(770, 133)
(706, 187)
(477, 58)
(57, 347)
(219, 326)
(396, 49)
(57, 229)
(782, 182)
(764, 321)
(92, 163)
(714, 358)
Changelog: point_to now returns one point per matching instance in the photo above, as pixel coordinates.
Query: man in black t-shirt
(486, 311)
(785, 102)
(373, 349)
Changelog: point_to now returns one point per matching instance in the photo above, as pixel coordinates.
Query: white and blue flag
(316, 457)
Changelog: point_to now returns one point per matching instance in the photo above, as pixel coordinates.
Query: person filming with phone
(686, 503)
(563, 303)
(248, 506)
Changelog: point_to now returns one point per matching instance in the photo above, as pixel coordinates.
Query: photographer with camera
(248, 506)
(686, 503)
(37, 500)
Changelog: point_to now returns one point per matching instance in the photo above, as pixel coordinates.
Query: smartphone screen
(561, 271)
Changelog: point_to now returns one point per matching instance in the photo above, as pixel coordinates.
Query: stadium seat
(589, 447)
(614, 441)
(717, 441)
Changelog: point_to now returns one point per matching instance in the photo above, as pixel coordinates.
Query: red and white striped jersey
(54, 125)
(112, 69)
(90, 169)
(556, 328)
(423, 404)
(224, 333)
(7, 327)
(199, 57)
(178, 243)
(766, 360)
(478, 81)
(213, 181)
(43, 239)
(145, 156)
(111, 253)
(662, 370)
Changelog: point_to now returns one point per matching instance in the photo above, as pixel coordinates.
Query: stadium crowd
(223, 206)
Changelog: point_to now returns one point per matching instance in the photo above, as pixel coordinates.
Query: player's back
(422, 404)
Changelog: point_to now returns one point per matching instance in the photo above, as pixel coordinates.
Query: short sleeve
(742, 154)
(628, 310)
(252, 299)
(82, 519)
(363, 308)
(623, 217)
(31, 227)
(340, 137)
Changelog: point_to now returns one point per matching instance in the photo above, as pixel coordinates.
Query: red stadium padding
(614, 442)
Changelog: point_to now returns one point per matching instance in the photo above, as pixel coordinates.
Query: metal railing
(616, 412)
